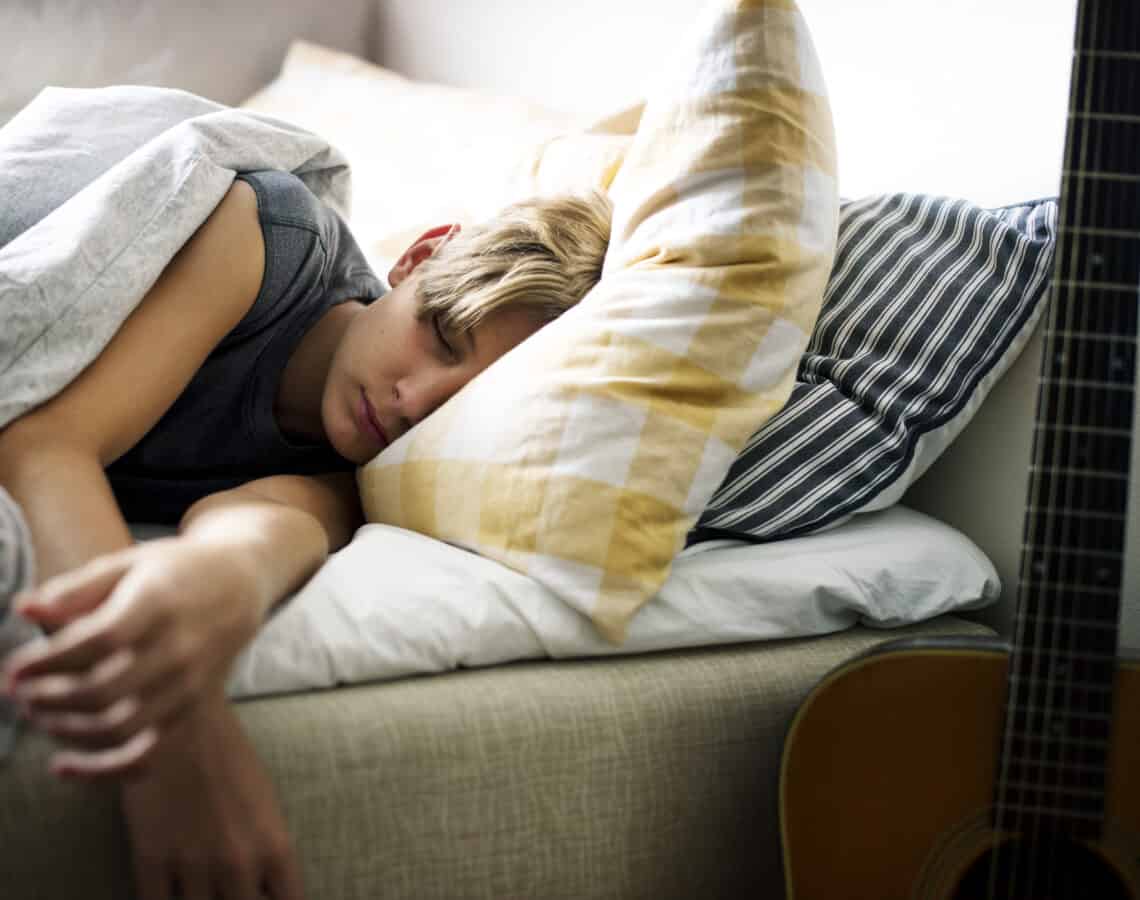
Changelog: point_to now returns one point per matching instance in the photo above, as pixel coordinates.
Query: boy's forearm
(67, 502)
(282, 546)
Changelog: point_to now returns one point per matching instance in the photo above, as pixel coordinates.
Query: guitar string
(1062, 413)
(1066, 363)
(1092, 143)
(1042, 560)
(1055, 394)
(1104, 398)
(1117, 369)
(1110, 95)
(1118, 266)
(1079, 361)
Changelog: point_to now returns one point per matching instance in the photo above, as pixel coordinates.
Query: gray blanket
(100, 189)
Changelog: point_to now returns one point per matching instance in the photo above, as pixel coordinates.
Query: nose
(419, 395)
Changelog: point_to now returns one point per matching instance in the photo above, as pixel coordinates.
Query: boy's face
(391, 369)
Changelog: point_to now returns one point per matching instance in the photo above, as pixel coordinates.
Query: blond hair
(543, 255)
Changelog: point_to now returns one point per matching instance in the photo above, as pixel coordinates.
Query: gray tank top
(221, 431)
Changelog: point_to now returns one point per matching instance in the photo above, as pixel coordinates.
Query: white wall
(221, 49)
(962, 97)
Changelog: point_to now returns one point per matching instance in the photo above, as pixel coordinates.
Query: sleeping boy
(242, 423)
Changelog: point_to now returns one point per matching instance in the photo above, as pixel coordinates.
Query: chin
(347, 445)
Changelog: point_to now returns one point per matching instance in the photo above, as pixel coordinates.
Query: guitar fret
(1084, 429)
(1060, 550)
(1107, 54)
(1070, 587)
(1090, 667)
(1026, 685)
(1091, 335)
(1086, 384)
(1098, 77)
(1101, 232)
(1058, 716)
(1068, 620)
(1035, 748)
(1076, 767)
(1086, 656)
(1051, 678)
(1092, 532)
(1099, 144)
(1078, 355)
(1095, 445)
(1102, 257)
(1106, 117)
(1051, 564)
(1059, 511)
(1129, 290)
(1089, 173)
(1061, 802)
(1111, 475)
(1063, 813)
(1084, 495)
(1060, 790)
(1090, 657)
(1057, 334)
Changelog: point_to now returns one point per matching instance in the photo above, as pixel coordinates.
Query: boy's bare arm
(284, 527)
(52, 459)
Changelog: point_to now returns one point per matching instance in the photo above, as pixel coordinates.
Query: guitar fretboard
(1059, 713)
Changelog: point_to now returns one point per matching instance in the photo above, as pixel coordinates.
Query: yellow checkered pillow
(584, 456)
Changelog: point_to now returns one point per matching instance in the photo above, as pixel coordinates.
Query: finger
(107, 681)
(119, 722)
(125, 673)
(64, 597)
(80, 644)
(283, 879)
(109, 727)
(126, 759)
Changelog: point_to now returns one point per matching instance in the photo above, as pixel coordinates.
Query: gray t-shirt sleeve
(309, 252)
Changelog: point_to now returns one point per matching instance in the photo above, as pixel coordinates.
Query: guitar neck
(1059, 709)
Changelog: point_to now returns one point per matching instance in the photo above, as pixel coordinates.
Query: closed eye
(442, 338)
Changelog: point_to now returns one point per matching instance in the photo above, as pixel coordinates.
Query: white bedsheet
(394, 603)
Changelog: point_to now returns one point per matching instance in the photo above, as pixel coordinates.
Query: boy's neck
(297, 406)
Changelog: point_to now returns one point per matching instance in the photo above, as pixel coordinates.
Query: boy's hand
(141, 634)
(229, 837)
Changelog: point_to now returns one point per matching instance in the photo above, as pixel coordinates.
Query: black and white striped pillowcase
(929, 302)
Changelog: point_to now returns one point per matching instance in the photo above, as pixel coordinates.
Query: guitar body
(889, 774)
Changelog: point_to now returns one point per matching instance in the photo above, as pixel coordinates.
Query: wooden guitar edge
(920, 648)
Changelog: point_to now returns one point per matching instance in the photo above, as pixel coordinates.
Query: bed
(539, 758)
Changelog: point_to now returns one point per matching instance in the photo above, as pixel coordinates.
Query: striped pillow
(929, 303)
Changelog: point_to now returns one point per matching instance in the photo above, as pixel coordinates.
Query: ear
(423, 247)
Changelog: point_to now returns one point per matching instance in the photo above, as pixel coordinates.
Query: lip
(367, 422)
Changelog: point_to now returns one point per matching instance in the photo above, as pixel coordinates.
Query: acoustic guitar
(982, 769)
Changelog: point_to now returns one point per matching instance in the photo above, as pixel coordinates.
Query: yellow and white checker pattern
(584, 456)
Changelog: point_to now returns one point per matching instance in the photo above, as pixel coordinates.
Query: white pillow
(395, 603)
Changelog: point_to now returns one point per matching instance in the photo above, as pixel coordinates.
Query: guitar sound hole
(1044, 870)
